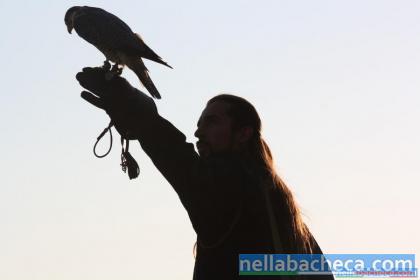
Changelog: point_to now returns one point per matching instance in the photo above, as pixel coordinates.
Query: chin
(203, 150)
(203, 154)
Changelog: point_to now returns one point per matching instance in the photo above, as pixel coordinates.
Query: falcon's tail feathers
(161, 62)
(148, 53)
(141, 71)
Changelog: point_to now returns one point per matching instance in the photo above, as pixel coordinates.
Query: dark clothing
(223, 201)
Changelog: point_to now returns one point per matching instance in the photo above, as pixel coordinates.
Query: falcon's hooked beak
(69, 28)
(69, 17)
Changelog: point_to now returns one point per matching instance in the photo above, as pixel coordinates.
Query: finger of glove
(103, 83)
(93, 99)
(93, 80)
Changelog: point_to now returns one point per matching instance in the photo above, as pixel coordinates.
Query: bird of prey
(114, 38)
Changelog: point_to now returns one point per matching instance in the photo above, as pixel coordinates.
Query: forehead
(216, 109)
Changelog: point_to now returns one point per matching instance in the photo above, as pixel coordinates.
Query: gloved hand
(127, 106)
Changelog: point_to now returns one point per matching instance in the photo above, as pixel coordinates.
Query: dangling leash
(128, 163)
(108, 128)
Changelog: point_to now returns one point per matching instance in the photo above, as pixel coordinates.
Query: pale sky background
(336, 84)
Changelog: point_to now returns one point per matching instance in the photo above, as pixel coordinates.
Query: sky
(336, 84)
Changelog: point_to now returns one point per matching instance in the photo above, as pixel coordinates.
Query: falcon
(115, 39)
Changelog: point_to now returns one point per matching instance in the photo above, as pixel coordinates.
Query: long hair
(294, 234)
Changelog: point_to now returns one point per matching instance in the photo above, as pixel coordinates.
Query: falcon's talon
(114, 67)
(116, 70)
(107, 65)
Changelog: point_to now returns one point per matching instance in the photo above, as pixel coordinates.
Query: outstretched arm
(209, 189)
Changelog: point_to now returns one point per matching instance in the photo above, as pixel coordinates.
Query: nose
(198, 133)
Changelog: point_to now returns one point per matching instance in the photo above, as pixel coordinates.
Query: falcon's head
(69, 17)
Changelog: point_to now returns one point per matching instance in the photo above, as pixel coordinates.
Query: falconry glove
(127, 107)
